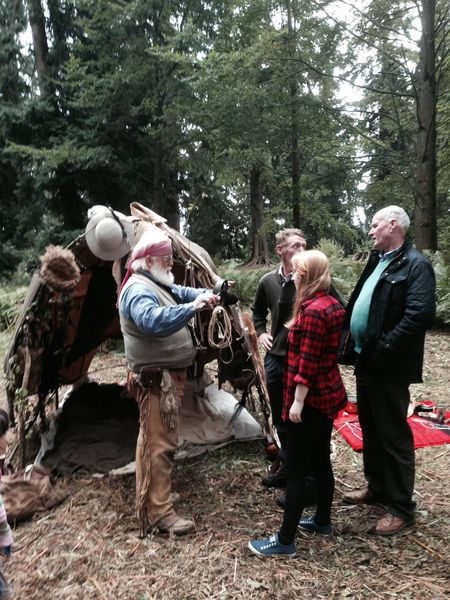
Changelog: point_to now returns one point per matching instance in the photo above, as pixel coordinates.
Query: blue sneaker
(308, 524)
(271, 547)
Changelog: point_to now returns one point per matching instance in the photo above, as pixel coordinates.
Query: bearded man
(154, 317)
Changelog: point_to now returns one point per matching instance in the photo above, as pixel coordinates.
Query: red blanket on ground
(425, 431)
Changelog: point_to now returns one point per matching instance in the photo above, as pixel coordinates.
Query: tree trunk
(425, 191)
(37, 25)
(165, 196)
(157, 178)
(68, 203)
(172, 209)
(58, 28)
(295, 165)
(260, 255)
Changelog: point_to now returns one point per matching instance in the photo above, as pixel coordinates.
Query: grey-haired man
(388, 313)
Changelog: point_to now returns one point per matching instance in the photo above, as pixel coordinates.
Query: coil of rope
(220, 328)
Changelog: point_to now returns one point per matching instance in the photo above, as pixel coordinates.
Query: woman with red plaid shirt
(313, 395)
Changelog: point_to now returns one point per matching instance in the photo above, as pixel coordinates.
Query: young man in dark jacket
(275, 295)
(391, 308)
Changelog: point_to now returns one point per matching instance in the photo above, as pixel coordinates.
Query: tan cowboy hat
(109, 234)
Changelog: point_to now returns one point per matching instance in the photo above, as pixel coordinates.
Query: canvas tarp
(57, 336)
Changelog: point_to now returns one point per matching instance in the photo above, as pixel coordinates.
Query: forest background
(229, 118)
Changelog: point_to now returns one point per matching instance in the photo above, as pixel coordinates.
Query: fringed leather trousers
(155, 450)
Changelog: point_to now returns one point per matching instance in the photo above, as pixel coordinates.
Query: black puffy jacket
(402, 308)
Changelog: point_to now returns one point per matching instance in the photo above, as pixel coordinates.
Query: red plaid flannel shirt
(311, 358)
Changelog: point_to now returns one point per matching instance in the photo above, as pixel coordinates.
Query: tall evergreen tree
(14, 178)
(270, 120)
(426, 102)
(403, 86)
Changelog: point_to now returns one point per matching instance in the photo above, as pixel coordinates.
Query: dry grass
(89, 546)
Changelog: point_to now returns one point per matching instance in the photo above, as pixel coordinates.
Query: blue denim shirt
(140, 305)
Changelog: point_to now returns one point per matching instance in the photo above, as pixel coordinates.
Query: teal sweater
(360, 314)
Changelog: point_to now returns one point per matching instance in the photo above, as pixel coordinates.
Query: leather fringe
(169, 411)
(169, 401)
(142, 397)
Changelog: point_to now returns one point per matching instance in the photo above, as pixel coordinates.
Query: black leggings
(308, 443)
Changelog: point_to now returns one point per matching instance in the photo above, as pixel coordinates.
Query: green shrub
(246, 280)
(333, 250)
(442, 271)
(345, 272)
(345, 275)
(11, 300)
(20, 262)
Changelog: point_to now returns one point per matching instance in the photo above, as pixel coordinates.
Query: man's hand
(266, 340)
(206, 300)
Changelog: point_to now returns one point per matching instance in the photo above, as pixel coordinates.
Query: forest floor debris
(88, 547)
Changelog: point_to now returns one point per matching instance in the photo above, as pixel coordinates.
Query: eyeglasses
(167, 259)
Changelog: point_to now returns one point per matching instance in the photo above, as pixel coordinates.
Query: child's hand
(6, 551)
(295, 413)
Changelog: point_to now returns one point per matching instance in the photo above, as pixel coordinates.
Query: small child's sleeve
(6, 538)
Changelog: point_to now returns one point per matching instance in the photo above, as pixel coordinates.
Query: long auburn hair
(312, 274)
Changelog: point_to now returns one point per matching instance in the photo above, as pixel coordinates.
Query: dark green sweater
(272, 296)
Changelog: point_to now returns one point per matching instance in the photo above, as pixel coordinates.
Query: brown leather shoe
(309, 498)
(390, 525)
(276, 475)
(179, 527)
(281, 500)
(175, 497)
(360, 497)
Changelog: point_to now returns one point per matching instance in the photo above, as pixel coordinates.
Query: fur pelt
(59, 270)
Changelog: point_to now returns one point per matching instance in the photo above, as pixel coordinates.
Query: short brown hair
(282, 236)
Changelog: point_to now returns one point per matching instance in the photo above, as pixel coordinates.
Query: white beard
(161, 275)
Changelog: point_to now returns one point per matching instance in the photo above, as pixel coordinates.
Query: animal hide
(28, 492)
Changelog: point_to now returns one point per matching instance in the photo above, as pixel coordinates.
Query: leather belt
(152, 377)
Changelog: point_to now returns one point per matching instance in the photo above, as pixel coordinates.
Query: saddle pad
(425, 431)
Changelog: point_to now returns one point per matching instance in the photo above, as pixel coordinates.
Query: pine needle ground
(88, 547)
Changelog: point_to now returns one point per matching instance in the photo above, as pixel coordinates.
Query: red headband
(162, 248)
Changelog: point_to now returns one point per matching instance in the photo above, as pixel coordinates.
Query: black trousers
(308, 443)
(388, 445)
(274, 368)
